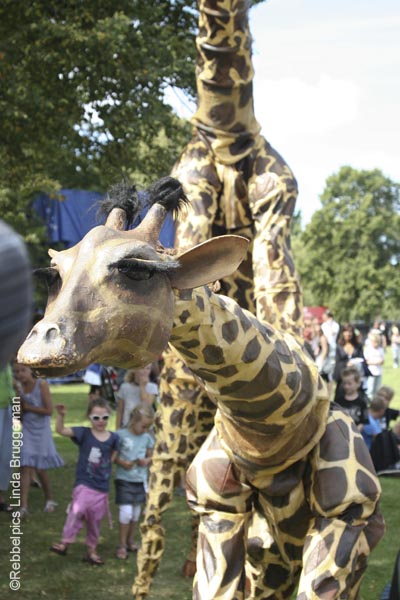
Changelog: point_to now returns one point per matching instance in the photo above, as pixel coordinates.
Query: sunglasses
(98, 418)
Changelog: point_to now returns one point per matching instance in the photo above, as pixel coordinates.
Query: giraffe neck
(224, 74)
(272, 404)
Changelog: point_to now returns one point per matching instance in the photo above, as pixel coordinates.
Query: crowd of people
(351, 367)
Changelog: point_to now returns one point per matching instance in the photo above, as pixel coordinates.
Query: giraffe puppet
(277, 448)
(237, 183)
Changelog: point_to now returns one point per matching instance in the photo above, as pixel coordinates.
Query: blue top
(94, 462)
(133, 447)
(371, 430)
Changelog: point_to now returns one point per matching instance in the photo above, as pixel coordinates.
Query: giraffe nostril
(52, 334)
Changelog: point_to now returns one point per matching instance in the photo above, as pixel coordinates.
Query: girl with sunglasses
(97, 451)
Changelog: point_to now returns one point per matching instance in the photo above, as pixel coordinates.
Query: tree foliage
(348, 256)
(82, 95)
(83, 85)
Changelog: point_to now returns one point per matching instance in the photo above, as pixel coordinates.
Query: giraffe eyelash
(48, 274)
(131, 265)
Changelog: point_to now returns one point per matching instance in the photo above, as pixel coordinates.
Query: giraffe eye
(134, 270)
(135, 273)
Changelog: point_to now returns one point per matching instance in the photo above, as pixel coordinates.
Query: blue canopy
(72, 213)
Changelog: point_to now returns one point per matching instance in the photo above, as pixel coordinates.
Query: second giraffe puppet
(237, 183)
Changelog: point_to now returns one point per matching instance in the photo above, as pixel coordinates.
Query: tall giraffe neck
(272, 405)
(224, 74)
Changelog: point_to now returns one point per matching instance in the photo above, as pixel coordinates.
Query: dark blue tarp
(71, 214)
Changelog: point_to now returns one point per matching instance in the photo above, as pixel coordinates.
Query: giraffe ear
(209, 261)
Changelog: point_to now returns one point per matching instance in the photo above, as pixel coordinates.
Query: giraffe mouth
(51, 366)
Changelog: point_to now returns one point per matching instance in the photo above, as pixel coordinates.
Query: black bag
(395, 587)
(384, 451)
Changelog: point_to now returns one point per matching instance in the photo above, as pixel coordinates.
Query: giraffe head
(110, 296)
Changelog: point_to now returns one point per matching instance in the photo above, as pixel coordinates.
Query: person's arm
(372, 358)
(120, 412)
(145, 462)
(47, 408)
(324, 348)
(60, 427)
(125, 464)
(116, 456)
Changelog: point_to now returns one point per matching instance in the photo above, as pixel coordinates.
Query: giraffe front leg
(272, 198)
(335, 558)
(184, 419)
(344, 497)
(162, 475)
(224, 504)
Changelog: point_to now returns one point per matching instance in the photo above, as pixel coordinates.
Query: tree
(83, 86)
(350, 250)
(82, 96)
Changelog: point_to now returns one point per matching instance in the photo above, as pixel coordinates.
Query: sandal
(93, 559)
(59, 548)
(122, 553)
(133, 547)
(50, 506)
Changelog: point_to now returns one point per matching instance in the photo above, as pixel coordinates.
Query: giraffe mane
(168, 192)
(125, 196)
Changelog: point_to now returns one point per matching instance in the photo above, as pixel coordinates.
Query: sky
(327, 87)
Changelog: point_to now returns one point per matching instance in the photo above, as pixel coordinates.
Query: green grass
(46, 575)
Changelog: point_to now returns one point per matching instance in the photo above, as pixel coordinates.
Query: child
(38, 452)
(97, 450)
(391, 414)
(351, 397)
(136, 388)
(375, 412)
(374, 355)
(134, 457)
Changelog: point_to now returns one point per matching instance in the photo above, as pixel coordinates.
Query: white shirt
(130, 394)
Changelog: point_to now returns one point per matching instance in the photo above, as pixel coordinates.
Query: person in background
(97, 451)
(395, 345)
(330, 328)
(391, 414)
(15, 319)
(352, 398)
(349, 352)
(376, 411)
(374, 355)
(320, 349)
(131, 476)
(136, 389)
(16, 293)
(38, 452)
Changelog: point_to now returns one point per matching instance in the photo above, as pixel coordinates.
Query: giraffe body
(307, 474)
